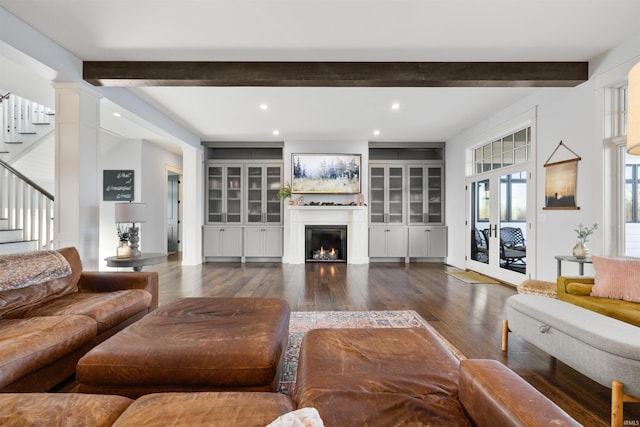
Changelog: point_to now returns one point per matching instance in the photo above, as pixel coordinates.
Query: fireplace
(325, 243)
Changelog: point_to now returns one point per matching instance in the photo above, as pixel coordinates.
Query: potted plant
(580, 250)
(285, 192)
(123, 250)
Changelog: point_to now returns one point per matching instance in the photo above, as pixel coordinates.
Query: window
(631, 188)
(514, 203)
(509, 150)
(627, 199)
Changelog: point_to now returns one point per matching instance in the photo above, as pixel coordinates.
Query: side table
(137, 263)
(581, 262)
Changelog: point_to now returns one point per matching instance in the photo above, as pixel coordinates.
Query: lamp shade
(131, 212)
(633, 117)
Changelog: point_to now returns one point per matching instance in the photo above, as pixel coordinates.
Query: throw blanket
(24, 269)
(304, 417)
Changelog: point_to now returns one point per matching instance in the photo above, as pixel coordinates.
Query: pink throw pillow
(616, 278)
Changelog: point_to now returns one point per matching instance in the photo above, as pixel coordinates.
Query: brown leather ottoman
(192, 344)
(379, 376)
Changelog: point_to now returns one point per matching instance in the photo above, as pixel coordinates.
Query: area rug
(303, 321)
(471, 277)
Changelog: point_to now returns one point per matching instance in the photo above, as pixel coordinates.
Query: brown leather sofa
(46, 326)
(375, 377)
(390, 377)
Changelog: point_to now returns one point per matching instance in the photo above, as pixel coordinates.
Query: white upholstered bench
(602, 348)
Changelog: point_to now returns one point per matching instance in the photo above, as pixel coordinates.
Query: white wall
(154, 193)
(148, 161)
(571, 115)
(117, 153)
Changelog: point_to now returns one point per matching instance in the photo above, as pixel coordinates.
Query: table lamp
(132, 213)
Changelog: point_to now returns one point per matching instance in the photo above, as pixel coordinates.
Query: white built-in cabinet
(263, 241)
(406, 204)
(243, 215)
(427, 242)
(387, 242)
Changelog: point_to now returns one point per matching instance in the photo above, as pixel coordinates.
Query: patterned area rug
(303, 321)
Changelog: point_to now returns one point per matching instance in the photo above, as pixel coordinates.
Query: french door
(497, 224)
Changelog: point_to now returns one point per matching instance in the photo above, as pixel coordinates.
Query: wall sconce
(633, 109)
(131, 213)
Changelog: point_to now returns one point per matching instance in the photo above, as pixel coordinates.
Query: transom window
(512, 149)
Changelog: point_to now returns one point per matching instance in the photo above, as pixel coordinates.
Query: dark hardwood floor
(469, 316)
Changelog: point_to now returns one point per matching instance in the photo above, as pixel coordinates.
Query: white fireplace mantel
(354, 217)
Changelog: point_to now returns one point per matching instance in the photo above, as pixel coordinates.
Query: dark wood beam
(336, 74)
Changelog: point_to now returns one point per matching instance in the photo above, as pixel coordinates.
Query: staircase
(24, 125)
(26, 209)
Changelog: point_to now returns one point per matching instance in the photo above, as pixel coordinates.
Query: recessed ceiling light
(117, 114)
(395, 106)
(276, 132)
(376, 132)
(264, 106)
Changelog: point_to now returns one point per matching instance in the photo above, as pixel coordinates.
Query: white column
(76, 217)
(192, 207)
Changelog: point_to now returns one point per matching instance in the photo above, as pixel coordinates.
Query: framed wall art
(561, 181)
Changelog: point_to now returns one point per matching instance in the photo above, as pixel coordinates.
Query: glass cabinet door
(254, 194)
(386, 200)
(396, 199)
(263, 205)
(425, 195)
(416, 195)
(434, 195)
(377, 195)
(234, 194)
(274, 205)
(215, 199)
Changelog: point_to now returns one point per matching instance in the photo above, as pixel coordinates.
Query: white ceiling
(341, 30)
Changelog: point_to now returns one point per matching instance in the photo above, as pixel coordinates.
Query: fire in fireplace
(326, 243)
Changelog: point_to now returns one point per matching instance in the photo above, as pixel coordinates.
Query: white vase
(580, 250)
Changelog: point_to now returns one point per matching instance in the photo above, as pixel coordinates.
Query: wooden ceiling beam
(336, 74)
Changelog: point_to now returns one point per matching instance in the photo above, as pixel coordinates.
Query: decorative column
(192, 206)
(77, 196)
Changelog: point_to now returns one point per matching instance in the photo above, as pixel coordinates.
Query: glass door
(498, 226)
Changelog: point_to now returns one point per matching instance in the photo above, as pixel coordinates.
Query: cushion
(579, 288)
(213, 409)
(108, 309)
(538, 287)
(60, 409)
(307, 417)
(616, 278)
(29, 344)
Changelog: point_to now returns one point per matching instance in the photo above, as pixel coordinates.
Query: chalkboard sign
(117, 185)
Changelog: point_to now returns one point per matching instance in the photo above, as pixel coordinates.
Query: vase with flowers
(123, 250)
(580, 250)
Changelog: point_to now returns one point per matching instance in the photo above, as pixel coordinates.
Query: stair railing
(26, 206)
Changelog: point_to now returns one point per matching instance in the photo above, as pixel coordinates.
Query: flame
(332, 252)
(321, 250)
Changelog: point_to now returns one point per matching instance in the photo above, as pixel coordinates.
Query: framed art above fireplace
(325, 173)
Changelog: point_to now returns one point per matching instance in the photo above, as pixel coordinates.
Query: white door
(498, 226)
